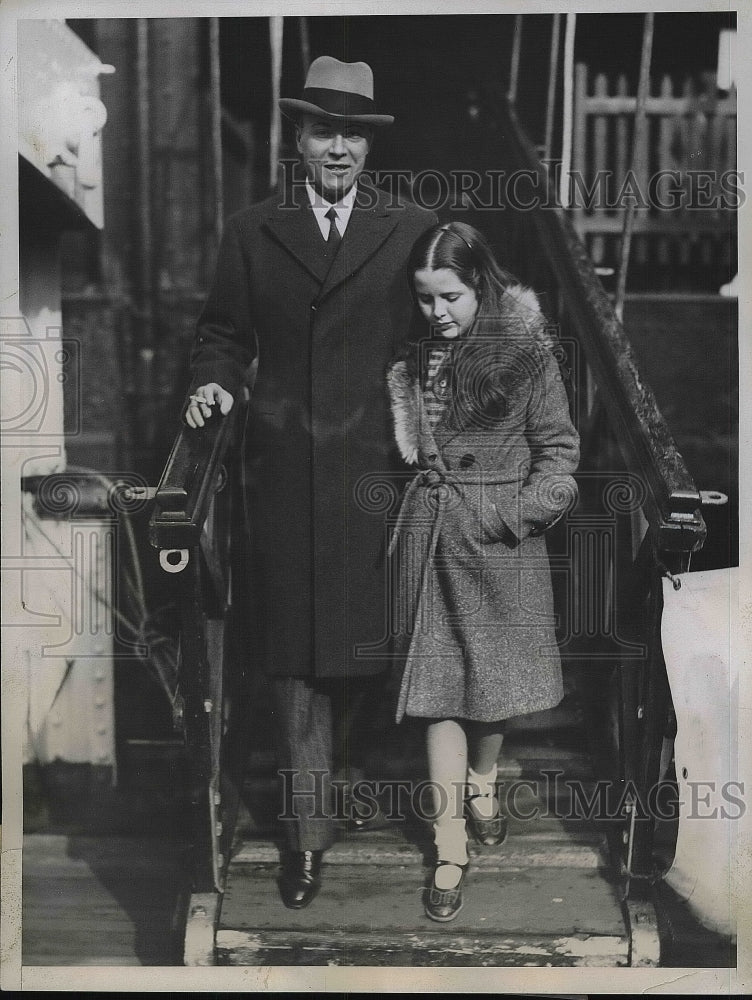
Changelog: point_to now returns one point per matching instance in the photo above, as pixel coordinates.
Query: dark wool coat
(474, 622)
(319, 431)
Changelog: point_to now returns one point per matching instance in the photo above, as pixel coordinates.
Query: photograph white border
(347, 979)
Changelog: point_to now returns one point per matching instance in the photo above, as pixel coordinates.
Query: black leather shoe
(301, 878)
(487, 832)
(444, 904)
(360, 816)
(358, 824)
(361, 819)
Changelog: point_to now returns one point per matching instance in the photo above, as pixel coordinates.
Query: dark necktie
(334, 239)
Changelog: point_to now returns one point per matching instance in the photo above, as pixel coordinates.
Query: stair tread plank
(359, 898)
(426, 948)
(565, 832)
(516, 853)
(548, 810)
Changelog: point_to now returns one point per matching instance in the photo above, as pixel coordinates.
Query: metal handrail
(189, 481)
(673, 501)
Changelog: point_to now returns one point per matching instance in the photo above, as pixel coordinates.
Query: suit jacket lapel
(293, 224)
(367, 229)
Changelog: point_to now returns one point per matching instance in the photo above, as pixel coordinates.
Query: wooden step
(526, 753)
(547, 897)
(528, 798)
(552, 739)
(312, 948)
(566, 716)
(388, 851)
(372, 914)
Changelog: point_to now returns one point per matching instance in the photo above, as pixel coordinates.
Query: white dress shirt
(320, 207)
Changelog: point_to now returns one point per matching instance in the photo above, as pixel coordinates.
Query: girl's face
(447, 303)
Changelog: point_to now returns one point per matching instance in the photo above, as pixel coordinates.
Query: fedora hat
(336, 90)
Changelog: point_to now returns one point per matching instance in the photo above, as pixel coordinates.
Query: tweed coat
(324, 330)
(474, 624)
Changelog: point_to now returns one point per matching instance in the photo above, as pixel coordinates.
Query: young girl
(480, 409)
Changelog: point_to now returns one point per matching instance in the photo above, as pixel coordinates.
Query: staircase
(547, 897)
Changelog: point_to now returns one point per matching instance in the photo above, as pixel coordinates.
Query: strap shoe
(489, 832)
(444, 904)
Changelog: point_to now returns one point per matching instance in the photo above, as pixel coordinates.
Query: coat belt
(441, 484)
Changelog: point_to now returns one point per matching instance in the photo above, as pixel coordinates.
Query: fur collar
(520, 309)
(525, 297)
(406, 408)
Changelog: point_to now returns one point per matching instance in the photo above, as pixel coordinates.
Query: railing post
(639, 142)
(553, 72)
(652, 714)
(194, 688)
(579, 148)
(567, 110)
(514, 61)
(215, 112)
(193, 514)
(276, 30)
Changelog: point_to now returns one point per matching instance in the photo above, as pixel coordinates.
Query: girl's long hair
(464, 250)
(484, 368)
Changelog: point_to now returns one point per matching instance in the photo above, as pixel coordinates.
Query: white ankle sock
(450, 837)
(485, 785)
(447, 877)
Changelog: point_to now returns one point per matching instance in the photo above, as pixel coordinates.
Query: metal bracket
(644, 940)
(713, 498)
(201, 928)
(177, 565)
(675, 580)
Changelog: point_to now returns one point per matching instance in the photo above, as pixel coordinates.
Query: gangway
(570, 887)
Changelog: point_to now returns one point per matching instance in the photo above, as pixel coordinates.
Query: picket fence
(686, 187)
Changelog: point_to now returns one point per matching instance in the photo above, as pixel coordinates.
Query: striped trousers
(324, 731)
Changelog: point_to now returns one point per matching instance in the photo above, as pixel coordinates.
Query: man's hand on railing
(203, 400)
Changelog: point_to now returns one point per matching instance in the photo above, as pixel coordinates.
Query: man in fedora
(311, 283)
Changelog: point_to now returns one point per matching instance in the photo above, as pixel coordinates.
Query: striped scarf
(437, 386)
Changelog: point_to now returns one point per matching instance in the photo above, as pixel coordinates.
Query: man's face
(334, 154)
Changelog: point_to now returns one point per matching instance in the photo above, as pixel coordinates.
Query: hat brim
(292, 108)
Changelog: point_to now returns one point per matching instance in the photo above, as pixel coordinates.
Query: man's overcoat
(475, 632)
(323, 328)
